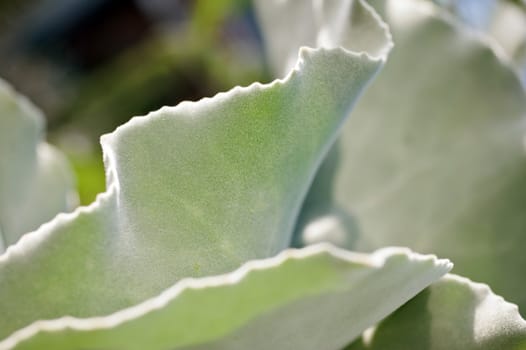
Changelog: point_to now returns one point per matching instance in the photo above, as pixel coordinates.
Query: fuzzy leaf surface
(433, 157)
(453, 313)
(319, 297)
(193, 190)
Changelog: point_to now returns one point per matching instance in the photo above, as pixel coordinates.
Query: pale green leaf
(316, 298)
(193, 190)
(433, 156)
(290, 24)
(453, 313)
(36, 182)
(503, 21)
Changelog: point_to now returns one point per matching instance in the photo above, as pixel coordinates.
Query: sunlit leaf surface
(267, 304)
(433, 156)
(453, 313)
(193, 190)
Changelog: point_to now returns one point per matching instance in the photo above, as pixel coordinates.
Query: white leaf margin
(375, 260)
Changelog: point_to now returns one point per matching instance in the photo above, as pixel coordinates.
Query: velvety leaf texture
(433, 157)
(193, 190)
(453, 313)
(315, 298)
(36, 182)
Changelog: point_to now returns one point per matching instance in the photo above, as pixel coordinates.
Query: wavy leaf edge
(32, 238)
(376, 259)
(483, 297)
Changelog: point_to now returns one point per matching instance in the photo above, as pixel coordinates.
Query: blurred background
(91, 65)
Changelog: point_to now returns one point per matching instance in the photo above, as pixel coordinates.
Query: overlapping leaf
(194, 190)
(433, 157)
(347, 23)
(35, 180)
(453, 313)
(315, 298)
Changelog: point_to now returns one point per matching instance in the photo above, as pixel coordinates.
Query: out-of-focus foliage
(502, 21)
(433, 160)
(35, 180)
(144, 54)
(197, 190)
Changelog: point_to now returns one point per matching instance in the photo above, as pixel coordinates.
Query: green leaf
(433, 157)
(319, 297)
(453, 313)
(192, 190)
(35, 180)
